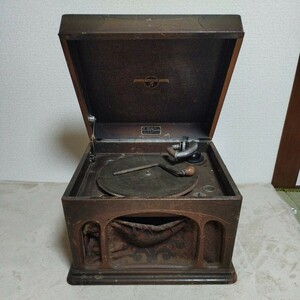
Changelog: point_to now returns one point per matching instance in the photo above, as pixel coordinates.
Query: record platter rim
(152, 182)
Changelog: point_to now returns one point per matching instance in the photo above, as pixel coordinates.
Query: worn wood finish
(235, 54)
(223, 208)
(161, 26)
(170, 70)
(77, 85)
(169, 74)
(288, 158)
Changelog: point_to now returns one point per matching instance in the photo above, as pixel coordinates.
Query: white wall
(42, 135)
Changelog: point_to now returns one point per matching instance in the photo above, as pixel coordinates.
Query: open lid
(151, 77)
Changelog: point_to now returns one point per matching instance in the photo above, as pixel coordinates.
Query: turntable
(151, 201)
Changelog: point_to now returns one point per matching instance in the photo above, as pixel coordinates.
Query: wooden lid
(144, 77)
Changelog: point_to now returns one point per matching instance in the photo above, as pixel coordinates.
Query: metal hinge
(92, 120)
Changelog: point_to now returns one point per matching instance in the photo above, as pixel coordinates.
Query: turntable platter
(149, 182)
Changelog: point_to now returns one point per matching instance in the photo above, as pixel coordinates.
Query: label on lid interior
(151, 130)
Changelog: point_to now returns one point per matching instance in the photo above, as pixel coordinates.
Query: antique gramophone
(151, 200)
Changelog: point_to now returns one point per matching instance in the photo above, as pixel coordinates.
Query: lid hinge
(92, 154)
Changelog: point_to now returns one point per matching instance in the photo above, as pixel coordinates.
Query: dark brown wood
(221, 207)
(162, 26)
(188, 61)
(149, 81)
(235, 54)
(78, 88)
(288, 158)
